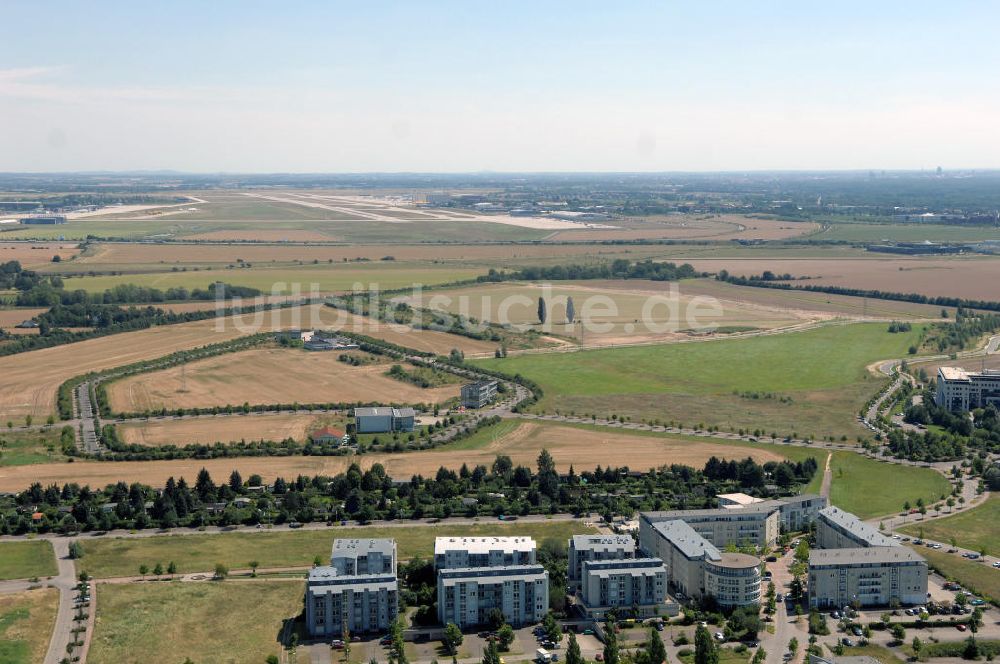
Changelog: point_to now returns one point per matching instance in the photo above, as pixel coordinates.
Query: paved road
(65, 582)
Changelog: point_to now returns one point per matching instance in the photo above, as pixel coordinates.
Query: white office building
(961, 390)
(451, 552)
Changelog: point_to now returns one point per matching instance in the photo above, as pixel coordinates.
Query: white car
(719, 636)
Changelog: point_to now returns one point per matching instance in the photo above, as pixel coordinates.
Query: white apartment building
(697, 568)
(837, 529)
(961, 390)
(452, 552)
(478, 574)
(625, 584)
(357, 591)
(756, 524)
(583, 548)
(869, 576)
(467, 595)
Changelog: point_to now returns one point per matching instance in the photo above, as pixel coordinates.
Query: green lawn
(199, 553)
(210, 622)
(822, 370)
(872, 488)
(902, 232)
(978, 577)
(27, 559)
(484, 436)
(726, 656)
(880, 653)
(975, 529)
(20, 448)
(26, 621)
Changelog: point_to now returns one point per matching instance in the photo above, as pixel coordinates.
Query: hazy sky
(510, 86)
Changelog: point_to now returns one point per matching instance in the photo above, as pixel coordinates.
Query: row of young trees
(363, 495)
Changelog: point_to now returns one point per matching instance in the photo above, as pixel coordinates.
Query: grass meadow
(21, 448)
(27, 559)
(26, 622)
(821, 374)
(975, 529)
(977, 577)
(872, 488)
(210, 622)
(199, 553)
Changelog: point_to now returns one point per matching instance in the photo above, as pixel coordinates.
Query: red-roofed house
(327, 436)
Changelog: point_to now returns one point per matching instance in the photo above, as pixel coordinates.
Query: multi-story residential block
(478, 574)
(625, 584)
(697, 568)
(961, 390)
(756, 524)
(837, 529)
(358, 592)
(467, 595)
(866, 576)
(583, 548)
(451, 552)
(364, 556)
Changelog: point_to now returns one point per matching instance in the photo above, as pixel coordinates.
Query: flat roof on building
(363, 546)
(482, 544)
(864, 555)
(582, 542)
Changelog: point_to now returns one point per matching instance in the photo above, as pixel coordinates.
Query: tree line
(503, 487)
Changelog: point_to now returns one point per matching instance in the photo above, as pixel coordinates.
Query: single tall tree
(655, 649)
(611, 642)
(542, 314)
(573, 654)
(570, 311)
(705, 651)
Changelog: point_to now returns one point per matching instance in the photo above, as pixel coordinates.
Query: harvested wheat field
(32, 255)
(583, 448)
(693, 227)
(967, 277)
(226, 429)
(30, 380)
(11, 317)
(268, 375)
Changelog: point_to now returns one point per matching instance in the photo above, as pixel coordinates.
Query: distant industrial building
(43, 220)
(961, 390)
(358, 591)
(384, 420)
(478, 574)
(479, 394)
(585, 548)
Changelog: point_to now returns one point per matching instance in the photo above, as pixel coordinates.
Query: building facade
(868, 576)
(837, 529)
(627, 584)
(756, 524)
(584, 548)
(384, 420)
(733, 579)
(696, 568)
(358, 592)
(467, 595)
(452, 552)
(961, 390)
(479, 394)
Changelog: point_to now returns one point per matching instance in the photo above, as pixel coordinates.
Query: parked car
(857, 631)
(961, 628)
(719, 636)
(847, 642)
